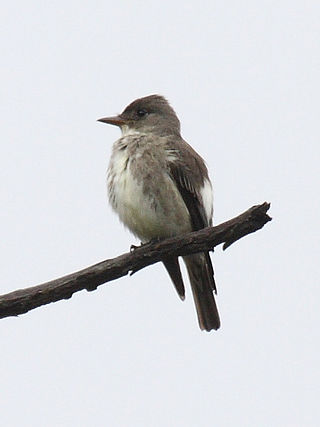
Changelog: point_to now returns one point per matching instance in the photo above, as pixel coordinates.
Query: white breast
(145, 216)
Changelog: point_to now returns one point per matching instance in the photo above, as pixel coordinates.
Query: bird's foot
(134, 247)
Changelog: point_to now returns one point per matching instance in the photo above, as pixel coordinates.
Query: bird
(159, 186)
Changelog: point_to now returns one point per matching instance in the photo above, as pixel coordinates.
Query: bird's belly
(150, 210)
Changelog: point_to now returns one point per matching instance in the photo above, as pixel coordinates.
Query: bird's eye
(142, 113)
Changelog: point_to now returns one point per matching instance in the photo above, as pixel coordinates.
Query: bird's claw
(134, 247)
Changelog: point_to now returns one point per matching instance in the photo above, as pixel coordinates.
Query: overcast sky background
(243, 78)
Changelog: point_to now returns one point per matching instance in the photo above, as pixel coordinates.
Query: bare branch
(24, 300)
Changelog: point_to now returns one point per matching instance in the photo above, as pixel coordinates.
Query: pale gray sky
(244, 80)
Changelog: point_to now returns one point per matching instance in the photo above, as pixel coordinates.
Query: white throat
(126, 131)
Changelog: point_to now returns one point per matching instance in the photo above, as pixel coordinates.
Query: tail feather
(200, 273)
(173, 268)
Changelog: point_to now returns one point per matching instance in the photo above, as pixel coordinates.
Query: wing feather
(189, 173)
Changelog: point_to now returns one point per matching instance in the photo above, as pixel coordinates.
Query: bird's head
(149, 114)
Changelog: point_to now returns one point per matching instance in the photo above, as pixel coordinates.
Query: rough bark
(24, 300)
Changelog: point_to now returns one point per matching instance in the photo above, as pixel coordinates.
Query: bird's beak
(115, 120)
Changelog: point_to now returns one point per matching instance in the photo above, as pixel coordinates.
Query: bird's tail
(200, 273)
(173, 268)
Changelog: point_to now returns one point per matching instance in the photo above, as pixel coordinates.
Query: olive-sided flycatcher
(159, 187)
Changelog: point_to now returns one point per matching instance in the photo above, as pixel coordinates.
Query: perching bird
(159, 187)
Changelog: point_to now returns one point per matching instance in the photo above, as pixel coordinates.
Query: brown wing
(188, 172)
